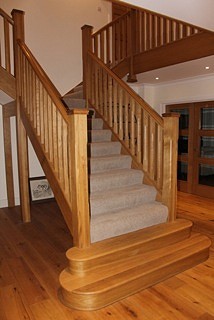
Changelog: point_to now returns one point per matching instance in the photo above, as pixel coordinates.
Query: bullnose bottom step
(112, 280)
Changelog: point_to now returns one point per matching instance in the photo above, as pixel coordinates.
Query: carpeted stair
(119, 201)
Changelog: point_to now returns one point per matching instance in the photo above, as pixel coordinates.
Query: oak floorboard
(32, 256)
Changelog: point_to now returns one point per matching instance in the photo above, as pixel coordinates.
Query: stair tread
(124, 242)
(105, 277)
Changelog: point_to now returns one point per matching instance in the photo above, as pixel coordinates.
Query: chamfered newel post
(78, 172)
(22, 144)
(170, 158)
(86, 46)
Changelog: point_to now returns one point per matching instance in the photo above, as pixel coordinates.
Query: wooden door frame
(193, 159)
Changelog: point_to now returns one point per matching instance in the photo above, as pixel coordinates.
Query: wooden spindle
(113, 45)
(102, 46)
(110, 99)
(108, 59)
(50, 128)
(139, 133)
(126, 119)
(59, 147)
(152, 149)
(132, 127)
(115, 106)
(120, 92)
(46, 122)
(159, 157)
(7, 45)
(55, 138)
(105, 96)
(145, 141)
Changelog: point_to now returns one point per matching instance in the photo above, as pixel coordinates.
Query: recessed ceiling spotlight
(157, 78)
(207, 68)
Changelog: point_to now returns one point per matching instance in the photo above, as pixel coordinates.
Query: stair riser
(78, 299)
(75, 95)
(99, 135)
(95, 124)
(100, 165)
(116, 181)
(160, 242)
(78, 88)
(98, 150)
(124, 201)
(75, 103)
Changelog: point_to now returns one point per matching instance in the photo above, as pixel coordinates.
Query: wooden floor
(32, 256)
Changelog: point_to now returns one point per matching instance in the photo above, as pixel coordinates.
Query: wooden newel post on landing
(78, 172)
(170, 158)
(18, 18)
(86, 46)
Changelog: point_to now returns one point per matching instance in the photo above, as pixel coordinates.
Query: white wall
(189, 90)
(53, 34)
(197, 12)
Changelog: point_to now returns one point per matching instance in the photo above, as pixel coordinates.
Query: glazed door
(203, 180)
(196, 147)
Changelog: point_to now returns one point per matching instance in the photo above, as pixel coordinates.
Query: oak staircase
(130, 239)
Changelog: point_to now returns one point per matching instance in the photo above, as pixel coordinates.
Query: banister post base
(131, 78)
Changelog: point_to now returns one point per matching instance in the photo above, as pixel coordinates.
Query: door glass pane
(182, 170)
(183, 145)
(207, 118)
(206, 174)
(207, 147)
(184, 118)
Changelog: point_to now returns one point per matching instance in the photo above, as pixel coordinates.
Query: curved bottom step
(106, 284)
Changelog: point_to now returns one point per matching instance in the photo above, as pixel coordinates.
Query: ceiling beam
(191, 48)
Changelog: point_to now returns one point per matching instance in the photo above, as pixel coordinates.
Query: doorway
(195, 147)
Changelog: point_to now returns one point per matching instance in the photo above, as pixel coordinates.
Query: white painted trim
(4, 203)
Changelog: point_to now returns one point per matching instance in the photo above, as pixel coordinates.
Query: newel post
(23, 164)
(86, 46)
(78, 172)
(132, 46)
(170, 158)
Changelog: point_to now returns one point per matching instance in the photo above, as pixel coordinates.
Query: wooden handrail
(6, 16)
(43, 77)
(147, 137)
(110, 24)
(129, 90)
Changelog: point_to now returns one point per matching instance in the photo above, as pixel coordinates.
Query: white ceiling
(191, 69)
